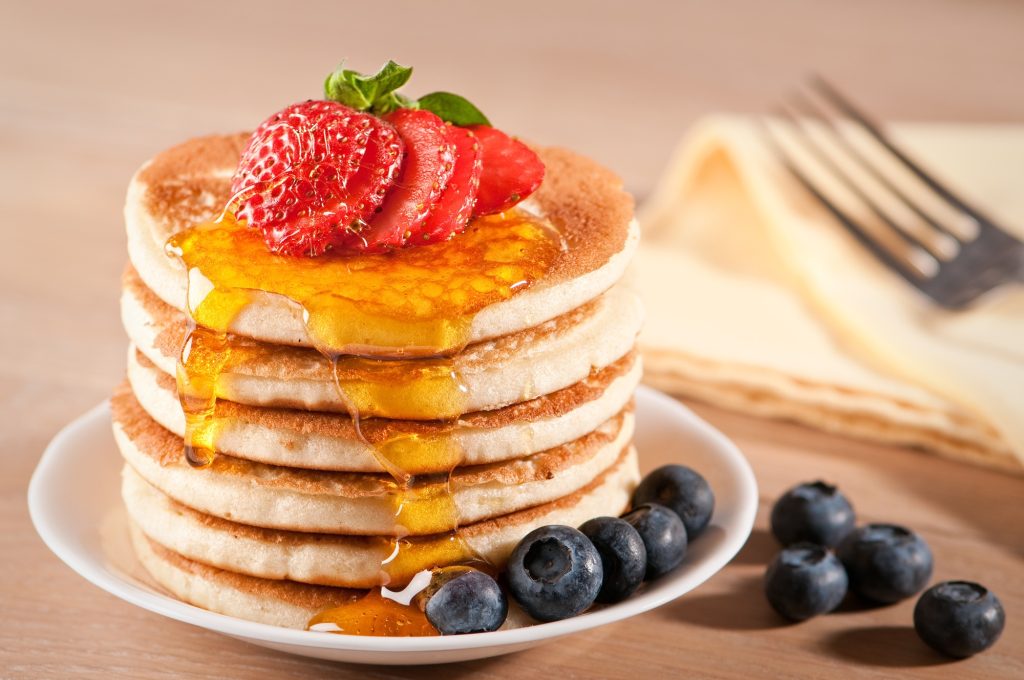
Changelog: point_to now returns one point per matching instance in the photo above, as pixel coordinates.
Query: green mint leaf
(389, 78)
(453, 108)
(378, 94)
(363, 93)
(405, 102)
(392, 101)
(367, 90)
(340, 88)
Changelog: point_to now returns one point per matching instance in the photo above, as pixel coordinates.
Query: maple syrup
(384, 612)
(389, 325)
(374, 614)
(414, 301)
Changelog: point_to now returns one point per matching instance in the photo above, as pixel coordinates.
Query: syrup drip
(374, 614)
(389, 325)
(411, 556)
(203, 357)
(384, 612)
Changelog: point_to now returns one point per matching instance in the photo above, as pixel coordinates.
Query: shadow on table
(854, 604)
(573, 659)
(759, 549)
(450, 671)
(889, 646)
(743, 607)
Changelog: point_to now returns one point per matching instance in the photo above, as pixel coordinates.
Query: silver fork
(952, 266)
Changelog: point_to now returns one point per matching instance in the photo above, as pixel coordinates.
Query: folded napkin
(759, 301)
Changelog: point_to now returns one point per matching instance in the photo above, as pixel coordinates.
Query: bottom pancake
(288, 604)
(355, 561)
(279, 603)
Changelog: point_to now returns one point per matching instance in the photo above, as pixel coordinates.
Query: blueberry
(682, 490)
(805, 580)
(885, 562)
(663, 534)
(959, 618)
(554, 573)
(814, 512)
(465, 600)
(623, 556)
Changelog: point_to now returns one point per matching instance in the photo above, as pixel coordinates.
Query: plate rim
(123, 588)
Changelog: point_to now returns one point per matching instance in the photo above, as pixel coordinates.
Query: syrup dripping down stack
(504, 401)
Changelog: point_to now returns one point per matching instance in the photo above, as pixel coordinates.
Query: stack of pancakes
(296, 513)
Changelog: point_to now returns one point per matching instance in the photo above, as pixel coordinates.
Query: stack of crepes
(759, 301)
(320, 477)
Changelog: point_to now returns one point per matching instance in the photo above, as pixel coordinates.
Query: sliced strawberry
(512, 171)
(296, 178)
(377, 172)
(427, 168)
(451, 213)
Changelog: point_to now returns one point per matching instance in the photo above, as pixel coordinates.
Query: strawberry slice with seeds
(293, 180)
(427, 168)
(453, 209)
(377, 173)
(511, 172)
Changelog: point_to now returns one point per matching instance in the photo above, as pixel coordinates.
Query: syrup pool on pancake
(366, 219)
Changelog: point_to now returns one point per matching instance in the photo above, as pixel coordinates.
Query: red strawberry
(298, 178)
(451, 213)
(377, 173)
(512, 171)
(427, 168)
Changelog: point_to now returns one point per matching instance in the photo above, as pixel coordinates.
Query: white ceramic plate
(76, 508)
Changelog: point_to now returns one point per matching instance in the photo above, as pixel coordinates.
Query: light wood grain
(89, 90)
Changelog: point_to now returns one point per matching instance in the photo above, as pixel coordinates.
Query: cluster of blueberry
(825, 555)
(556, 571)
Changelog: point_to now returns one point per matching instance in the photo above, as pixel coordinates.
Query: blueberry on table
(465, 601)
(555, 572)
(959, 618)
(682, 490)
(663, 534)
(805, 580)
(814, 512)
(623, 556)
(886, 563)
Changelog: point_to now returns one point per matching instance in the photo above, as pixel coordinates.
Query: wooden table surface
(90, 90)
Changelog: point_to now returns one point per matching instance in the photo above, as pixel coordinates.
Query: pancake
(490, 375)
(358, 503)
(189, 184)
(329, 441)
(278, 603)
(354, 561)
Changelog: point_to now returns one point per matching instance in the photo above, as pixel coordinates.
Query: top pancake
(189, 184)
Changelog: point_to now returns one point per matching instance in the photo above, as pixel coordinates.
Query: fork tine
(883, 254)
(814, 110)
(862, 119)
(909, 240)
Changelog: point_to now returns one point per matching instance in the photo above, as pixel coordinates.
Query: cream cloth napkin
(757, 300)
